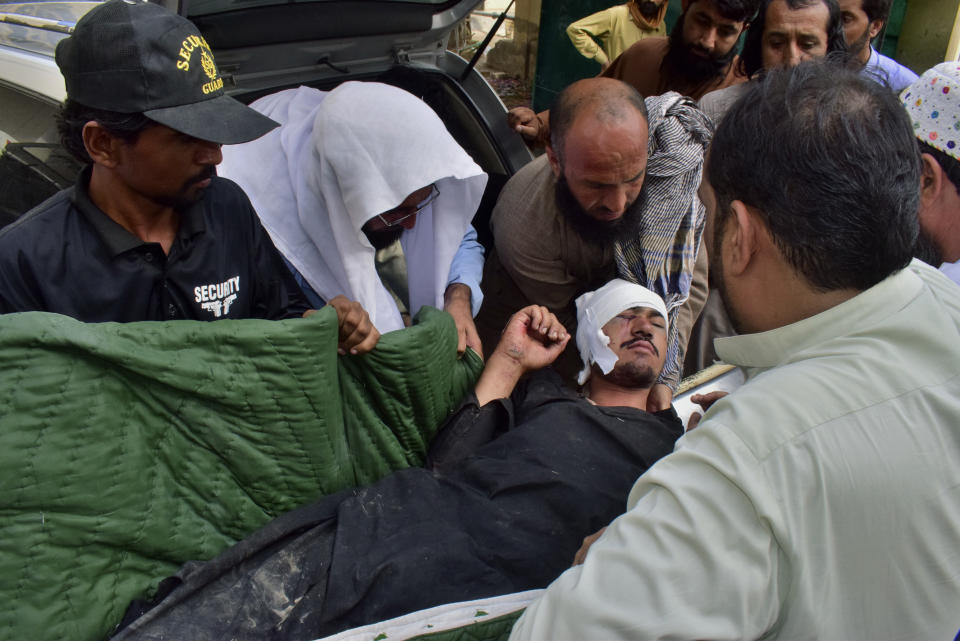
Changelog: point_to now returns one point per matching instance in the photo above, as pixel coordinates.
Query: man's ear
(931, 179)
(554, 162)
(875, 27)
(742, 239)
(101, 145)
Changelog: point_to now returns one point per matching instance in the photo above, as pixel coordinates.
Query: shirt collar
(776, 346)
(117, 239)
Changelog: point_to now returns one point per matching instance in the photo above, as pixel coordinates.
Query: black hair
(949, 164)
(830, 162)
(609, 104)
(736, 10)
(73, 116)
(876, 9)
(751, 59)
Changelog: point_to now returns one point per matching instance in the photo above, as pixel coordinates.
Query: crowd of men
(819, 500)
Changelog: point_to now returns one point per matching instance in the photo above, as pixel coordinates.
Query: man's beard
(184, 199)
(717, 281)
(629, 375)
(648, 9)
(856, 47)
(926, 249)
(383, 238)
(681, 60)
(593, 231)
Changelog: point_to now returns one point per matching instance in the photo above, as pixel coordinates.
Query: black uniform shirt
(67, 256)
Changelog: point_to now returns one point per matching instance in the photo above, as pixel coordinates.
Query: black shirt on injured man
(67, 256)
(508, 492)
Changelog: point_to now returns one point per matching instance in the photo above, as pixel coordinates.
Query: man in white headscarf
(366, 194)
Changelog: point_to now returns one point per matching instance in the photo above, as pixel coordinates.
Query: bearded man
(784, 34)
(698, 57)
(149, 232)
(863, 20)
(820, 499)
(606, 199)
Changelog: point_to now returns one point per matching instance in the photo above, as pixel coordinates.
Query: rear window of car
(208, 7)
(37, 27)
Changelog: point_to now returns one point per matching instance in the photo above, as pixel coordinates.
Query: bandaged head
(597, 308)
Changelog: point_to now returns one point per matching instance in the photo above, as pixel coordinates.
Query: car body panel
(261, 47)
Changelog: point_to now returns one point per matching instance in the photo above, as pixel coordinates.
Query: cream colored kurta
(821, 500)
(615, 30)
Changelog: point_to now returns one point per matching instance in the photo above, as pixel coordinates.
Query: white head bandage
(595, 309)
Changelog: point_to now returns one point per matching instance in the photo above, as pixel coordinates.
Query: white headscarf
(342, 157)
(595, 309)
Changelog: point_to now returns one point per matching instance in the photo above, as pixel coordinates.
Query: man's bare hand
(525, 122)
(660, 398)
(456, 302)
(533, 338)
(704, 401)
(581, 554)
(357, 334)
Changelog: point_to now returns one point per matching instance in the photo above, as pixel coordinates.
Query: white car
(261, 46)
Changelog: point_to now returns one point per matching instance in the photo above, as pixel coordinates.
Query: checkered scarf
(662, 255)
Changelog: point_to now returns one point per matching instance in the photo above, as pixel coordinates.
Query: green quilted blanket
(128, 449)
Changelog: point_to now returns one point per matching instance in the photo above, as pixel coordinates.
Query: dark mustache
(641, 338)
(209, 172)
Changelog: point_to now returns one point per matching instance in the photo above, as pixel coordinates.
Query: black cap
(136, 57)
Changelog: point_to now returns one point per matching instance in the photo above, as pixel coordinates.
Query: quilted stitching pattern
(129, 449)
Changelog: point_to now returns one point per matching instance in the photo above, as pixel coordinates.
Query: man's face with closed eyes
(638, 336)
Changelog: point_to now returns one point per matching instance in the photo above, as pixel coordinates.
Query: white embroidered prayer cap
(595, 309)
(933, 104)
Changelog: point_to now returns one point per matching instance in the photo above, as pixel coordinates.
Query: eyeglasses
(434, 192)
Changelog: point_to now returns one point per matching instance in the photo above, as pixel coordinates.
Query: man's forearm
(533, 338)
(466, 269)
(499, 377)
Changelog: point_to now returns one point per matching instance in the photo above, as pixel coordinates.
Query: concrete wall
(925, 38)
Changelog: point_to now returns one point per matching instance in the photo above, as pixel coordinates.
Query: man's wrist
(505, 363)
(455, 293)
(499, 377)
(543, 131)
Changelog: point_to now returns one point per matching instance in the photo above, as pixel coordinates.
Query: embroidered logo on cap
(206, 61)
(191, 44)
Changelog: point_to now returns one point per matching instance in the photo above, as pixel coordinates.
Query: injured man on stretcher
(514, 481)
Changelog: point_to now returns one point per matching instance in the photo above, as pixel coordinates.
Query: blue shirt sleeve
(316, 302)
(467, 268)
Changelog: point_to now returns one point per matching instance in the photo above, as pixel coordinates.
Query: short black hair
(751, 59)
(73, 116)
(876, 9)
(736, 10)
(571, 100)
(949, 164)
(830, 161)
